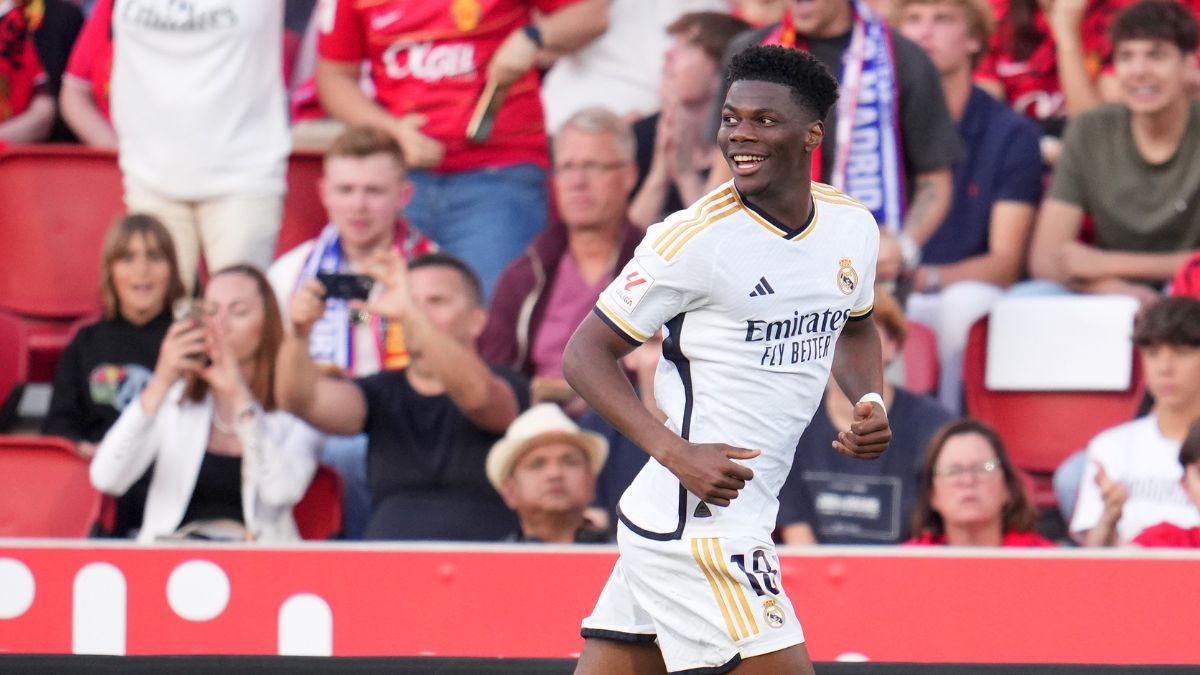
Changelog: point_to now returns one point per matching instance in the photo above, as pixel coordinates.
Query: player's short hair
(1019, 514)
(1165, 20)
(1170, 321)
(361, 142)
(1189, 452)
(710, 31)
(440, 259)
(597, 120)
(812, 85)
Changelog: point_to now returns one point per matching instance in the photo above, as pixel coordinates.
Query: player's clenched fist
(708, 471)
(869, 433)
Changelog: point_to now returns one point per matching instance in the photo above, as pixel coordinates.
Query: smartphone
(192, 309)
(480, 126)
(346, 286)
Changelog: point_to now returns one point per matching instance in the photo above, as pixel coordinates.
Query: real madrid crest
(773, 614)
(466, 14)
(847, 278)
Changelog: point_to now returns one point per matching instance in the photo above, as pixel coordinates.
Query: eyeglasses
(588, 169)
(975, 470)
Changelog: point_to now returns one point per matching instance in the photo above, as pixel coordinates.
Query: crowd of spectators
(491, 168)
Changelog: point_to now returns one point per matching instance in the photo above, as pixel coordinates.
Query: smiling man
(757, 285)
(1130, 166)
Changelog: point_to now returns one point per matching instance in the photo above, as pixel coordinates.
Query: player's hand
(1113, 493)
(869, 433)
(708, 471)
(420, 151)
(306, 307)
(514, 58)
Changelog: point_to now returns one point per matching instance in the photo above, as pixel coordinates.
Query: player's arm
(332, 405)
(591, 364)
(858, 369)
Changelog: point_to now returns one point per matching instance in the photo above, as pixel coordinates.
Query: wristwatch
(933, 280)
(534, 34)
(910, 253)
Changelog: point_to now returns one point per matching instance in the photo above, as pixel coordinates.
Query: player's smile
(763, 136)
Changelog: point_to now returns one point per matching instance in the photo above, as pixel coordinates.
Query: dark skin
(763, 121)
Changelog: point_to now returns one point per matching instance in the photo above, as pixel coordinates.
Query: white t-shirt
(622, 69)
(197, 98)
(752, 313)
(1138, 455)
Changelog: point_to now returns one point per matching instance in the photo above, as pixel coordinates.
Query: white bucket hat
(542, 422)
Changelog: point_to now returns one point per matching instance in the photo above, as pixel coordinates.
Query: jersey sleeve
(864, 301)
(92, 38)
(653, 287)
(342, 37)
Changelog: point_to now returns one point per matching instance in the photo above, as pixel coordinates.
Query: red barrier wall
(887, 605)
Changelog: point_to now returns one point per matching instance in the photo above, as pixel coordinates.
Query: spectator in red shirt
(84, 94)
(1168, 534)
(970, 493)
(1050, 60)
(430, 62)
(26, 105)
(1187, 279)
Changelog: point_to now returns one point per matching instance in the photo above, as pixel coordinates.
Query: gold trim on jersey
(715, 201)
(832, 195)
(854, 314)
(674, 250)
(621, 323)
(774, 229)
(729, 594)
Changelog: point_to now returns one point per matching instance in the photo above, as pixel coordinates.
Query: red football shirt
(1031, 84)
(430, 57)
(92, 56)
(21, 73)
(1166, 535)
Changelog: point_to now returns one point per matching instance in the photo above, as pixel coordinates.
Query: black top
(218, 491)
(104, 367)
(425, 464)
(852, 501)
(586, 534)
(645, 131)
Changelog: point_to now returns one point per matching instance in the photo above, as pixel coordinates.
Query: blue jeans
(486, 217)
(348, 456)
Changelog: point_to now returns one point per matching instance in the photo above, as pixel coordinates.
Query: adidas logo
(702, 511)
(762, 288)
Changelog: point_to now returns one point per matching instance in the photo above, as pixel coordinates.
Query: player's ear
(816, 134)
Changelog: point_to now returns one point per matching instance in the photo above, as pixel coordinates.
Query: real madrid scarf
(868, 165)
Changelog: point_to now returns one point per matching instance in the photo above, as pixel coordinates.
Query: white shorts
(708, 602)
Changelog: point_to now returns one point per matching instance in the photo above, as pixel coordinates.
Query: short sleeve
(1067, 184)
(1021, 173)
(342, 36)
(662, 280)
(92, 38)
(864, 302)
(551, 6)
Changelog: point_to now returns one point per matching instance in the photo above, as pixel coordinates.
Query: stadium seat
(58, 203)
(920, 359)
(1042, 428)
(303, 214)
(319, 514)
(44, 489)
(14, 366)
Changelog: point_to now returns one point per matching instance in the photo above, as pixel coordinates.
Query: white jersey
(752, 314)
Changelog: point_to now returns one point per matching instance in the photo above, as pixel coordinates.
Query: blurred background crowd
(488, 166)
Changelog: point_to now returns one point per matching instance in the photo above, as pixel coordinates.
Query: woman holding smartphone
(225, 458)
(108, 362)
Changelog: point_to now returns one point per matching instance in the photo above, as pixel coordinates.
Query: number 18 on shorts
(709, 601)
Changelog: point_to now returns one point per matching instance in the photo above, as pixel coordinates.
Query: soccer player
(764, 287)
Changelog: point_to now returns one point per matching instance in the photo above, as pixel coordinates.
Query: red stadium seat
(1042, 428)
(44, 489)
(920, 358)
(58, 203)
(303, 214)
(319, 514)
(14, 365)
